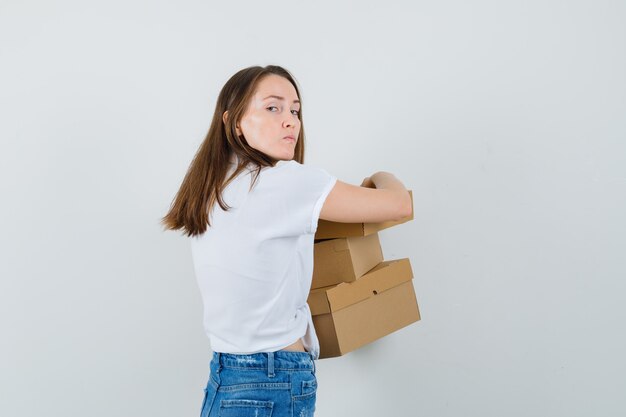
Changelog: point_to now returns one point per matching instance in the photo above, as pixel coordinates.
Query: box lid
(382, 277)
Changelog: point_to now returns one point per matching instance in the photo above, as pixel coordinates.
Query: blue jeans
(276, 384)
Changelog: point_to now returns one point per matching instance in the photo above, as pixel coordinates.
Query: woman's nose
(291, 120)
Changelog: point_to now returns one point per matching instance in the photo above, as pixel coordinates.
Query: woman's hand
(367, 183)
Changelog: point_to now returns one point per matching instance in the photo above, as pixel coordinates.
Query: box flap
(318, 302)
(340, 245)
(366, 252)
(331, 230)
(382, 277)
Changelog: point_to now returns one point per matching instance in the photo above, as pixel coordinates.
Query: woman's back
(254, 265)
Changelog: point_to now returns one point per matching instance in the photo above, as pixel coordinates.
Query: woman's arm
(347, 203)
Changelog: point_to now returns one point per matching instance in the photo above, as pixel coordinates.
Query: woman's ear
(225, 118)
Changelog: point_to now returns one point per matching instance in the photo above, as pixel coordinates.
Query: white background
(507, 119)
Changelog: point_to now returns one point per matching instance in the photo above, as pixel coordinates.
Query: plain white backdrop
(507, 119)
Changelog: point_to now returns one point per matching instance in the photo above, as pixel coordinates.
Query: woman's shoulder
(293, 174)
(293, 165)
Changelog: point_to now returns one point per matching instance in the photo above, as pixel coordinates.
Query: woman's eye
(274, 107)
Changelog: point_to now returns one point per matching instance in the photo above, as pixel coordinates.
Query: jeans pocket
(304, 404)
(309, 387)
(244, 408)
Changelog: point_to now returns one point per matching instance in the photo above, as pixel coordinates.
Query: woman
(253, 254)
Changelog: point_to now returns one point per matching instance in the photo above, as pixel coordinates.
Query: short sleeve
(328, 182)
(295, 194)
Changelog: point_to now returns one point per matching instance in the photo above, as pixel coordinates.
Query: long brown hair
(205, 179)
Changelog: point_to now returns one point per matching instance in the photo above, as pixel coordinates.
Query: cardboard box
(349, 315)
(344, 259)
(330, 230)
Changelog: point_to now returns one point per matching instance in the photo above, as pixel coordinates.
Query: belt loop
(270, 364)
(217, 360)
(312, 361)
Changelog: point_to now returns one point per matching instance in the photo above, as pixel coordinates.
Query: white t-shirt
(254, 264)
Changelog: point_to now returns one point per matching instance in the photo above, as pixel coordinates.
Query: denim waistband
(279, 360)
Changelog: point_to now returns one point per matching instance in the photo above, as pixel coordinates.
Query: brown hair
(205, 179)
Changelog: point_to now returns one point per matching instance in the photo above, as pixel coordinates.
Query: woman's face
(271, 122)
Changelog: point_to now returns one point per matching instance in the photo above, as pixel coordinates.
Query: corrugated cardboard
(330, 230)
(344, 259)
(349, 315)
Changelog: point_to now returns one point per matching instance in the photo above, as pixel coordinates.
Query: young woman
(251, 208)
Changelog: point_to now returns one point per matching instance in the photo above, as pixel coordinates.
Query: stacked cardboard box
(356, 296)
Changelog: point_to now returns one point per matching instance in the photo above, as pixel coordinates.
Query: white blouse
(254, 264)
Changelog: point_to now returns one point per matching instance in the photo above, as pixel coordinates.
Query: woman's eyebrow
(279, 98)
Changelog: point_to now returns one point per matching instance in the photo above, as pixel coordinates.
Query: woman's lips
(290, 138)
